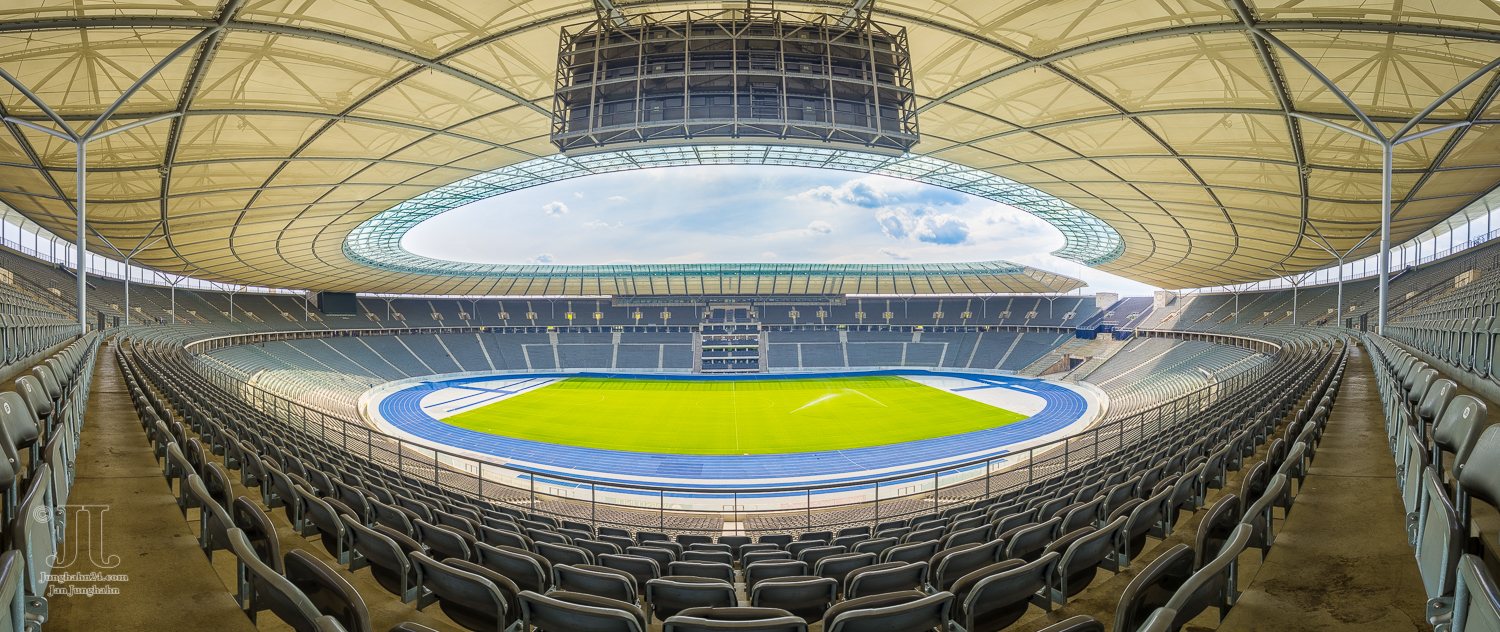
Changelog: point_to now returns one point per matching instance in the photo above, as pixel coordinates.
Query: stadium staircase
(1089, 349)
(1082, 371)
(1115, 321)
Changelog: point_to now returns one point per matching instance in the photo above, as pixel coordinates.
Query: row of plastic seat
(1445, 458)
(1459, 329)
(27, 335)
(345, 511)
(43, 417)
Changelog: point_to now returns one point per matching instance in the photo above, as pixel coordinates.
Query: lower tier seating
(490, 559)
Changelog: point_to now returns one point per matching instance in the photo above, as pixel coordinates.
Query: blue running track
(403, 410)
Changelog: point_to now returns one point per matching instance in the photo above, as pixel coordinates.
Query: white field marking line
(820, 400)
(850, 390)
(520, 387)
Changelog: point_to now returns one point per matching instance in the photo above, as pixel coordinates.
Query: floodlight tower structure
(701, 76)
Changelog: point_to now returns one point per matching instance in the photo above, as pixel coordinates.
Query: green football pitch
(762, 416)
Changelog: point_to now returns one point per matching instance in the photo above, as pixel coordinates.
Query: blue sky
(742, 214)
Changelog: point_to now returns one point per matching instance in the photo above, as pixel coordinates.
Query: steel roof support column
(1338, 314)
(83, 251)
(1386, 149)
(133, 253)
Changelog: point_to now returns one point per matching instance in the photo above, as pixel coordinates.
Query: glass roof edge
(376, 242)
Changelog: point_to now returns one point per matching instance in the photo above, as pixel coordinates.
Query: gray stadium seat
(1439, 544)
(595, 580)
(1259, 516)
(796, 548)
(708, 570)
(778, 539)
(471, 599)
(1476, 598)
(667, 596)
(802, 595)
(839, 566)
(1153, 587)
(974, 535)
(262, 588)
(662, 556)
(384, 551)
(1214, 529)
(891, 612)
(12, 573)
(735, 542)
(547, 536)
(643, 569)
(773, 568)
(594, 547)
(258, 529)
(573, 612)
(884, 578)
(722, 557)
(690, 539)
(949, 565)
(1081, 559)
(213, 521)
(848, 541)
(395, 517)
(813, 554)
(1214, 584)
(328, 591)
(563, 553)
(1028, 541)
(876, 546)
(527, 570)
(325, 514)
(498, 537)
(1080, 623)
(1457, 430)
(742, 619)
(926, 535)
(992, 598)
(913, 552)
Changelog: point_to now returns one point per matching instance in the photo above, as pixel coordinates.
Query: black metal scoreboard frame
(706, 76)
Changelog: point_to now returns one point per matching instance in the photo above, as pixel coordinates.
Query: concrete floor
(172, 586)
(1340, 561)
(169, 586)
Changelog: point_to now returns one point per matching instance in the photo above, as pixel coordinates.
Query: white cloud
(692, 257)
(733, 214)
(578, 194)
(880, 192)
(923, 225)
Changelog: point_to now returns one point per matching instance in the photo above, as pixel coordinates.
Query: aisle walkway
(169, 586)
(1341, 561)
